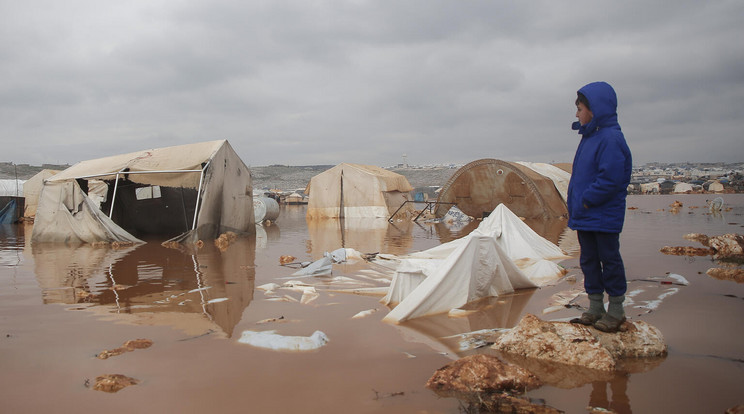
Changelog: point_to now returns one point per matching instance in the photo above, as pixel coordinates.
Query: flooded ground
(61, 306)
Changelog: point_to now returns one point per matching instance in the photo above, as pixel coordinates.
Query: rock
(734, 274)
(686, 251)
(729, 246)
(481, 374)
(556, 341)
(701, 238)
(637, 339)
(113, 382)
(739, 409)
(486, 381)
(127, 347)
(573, 344)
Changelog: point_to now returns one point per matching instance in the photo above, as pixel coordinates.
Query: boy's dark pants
(601, 263)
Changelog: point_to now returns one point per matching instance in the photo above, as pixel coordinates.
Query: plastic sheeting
(503, 254)
(66, 214)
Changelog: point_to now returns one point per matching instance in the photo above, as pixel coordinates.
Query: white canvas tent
(193, 192)
(503, 254)
(353, 190)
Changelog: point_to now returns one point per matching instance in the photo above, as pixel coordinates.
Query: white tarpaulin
(501, 255)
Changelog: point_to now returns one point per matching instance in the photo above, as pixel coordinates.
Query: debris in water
(286, 259)
(224, 240)
(364, 313)
(113, 382)
(272, 340)
(563, 300)
(127, 347)
(270, 320)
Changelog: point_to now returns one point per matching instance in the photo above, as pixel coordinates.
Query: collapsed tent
(502, 255)
(530, 190)
(353, 190)
(193, 192)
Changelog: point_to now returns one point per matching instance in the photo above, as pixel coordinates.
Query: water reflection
(442, 332)
(197, 292)
(366, 235)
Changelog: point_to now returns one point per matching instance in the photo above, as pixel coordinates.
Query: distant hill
(24, 171)
(282, 177)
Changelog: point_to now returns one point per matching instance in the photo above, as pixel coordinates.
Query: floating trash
(274, 341)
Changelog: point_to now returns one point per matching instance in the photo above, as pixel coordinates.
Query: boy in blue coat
(596, 203)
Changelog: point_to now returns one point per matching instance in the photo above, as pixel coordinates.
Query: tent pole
(113, 197)
(198, 195)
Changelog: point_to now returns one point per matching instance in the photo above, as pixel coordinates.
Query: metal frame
(429, 205)
(120, 172)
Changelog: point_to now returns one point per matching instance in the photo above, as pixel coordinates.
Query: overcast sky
(323, 82)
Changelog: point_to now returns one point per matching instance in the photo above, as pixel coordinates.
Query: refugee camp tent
(715, 187)
(503, 254)
(193, 192)
(354, 190)
(530, 190)
(650, 188)
(32, 190)
(681, 188)
(11, 187)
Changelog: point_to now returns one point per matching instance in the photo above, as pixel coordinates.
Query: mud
(62, 305)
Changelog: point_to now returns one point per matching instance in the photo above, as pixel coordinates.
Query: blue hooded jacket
(601, 167)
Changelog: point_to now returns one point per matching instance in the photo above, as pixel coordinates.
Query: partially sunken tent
(353, 190)
(529, 190)
(502, 255)
(194, 192)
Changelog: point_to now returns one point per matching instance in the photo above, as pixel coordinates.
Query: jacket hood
(603, 104)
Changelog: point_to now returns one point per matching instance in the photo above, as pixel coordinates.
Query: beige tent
(353, 190)
(32, 190)
(715, 187)
(193, 192)
(681, 188)
(529, 190)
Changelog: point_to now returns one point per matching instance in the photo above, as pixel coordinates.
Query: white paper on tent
(501, 255)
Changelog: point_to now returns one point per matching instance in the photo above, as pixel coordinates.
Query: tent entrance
(150, 209)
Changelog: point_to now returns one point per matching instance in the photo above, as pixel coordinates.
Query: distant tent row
(193, 192)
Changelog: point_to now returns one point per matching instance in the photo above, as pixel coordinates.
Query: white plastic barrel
(265, 208)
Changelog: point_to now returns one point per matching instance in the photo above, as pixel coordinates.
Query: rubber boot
(615, 308)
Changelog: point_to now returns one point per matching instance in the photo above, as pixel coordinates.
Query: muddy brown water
(60, 306)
